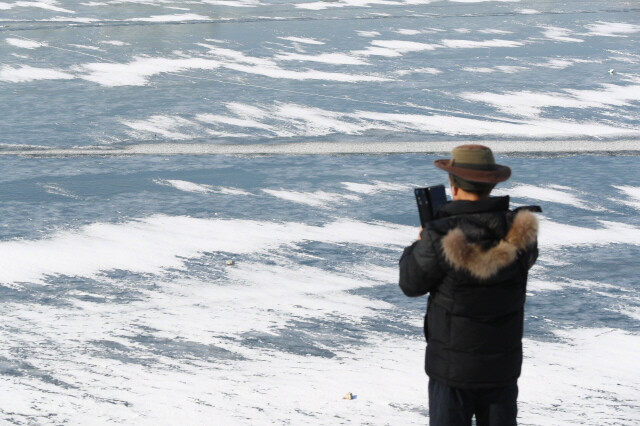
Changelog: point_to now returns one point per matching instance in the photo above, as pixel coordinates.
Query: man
(473, 260)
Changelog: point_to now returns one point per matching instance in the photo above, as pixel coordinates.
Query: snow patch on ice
(322, 5)
(57, 190)
(327, 58)
(157, 243)
(187, 186)
(612, 29)
(368, 33)
(528, 11)
(507, 69)
(406, 31)
(484, 1)
(163, 125)
(551, 194)
(560, 34)
(25, 73)
(375, 187)
(314, 199)
(587, 371)
(303, 40)
(115, 43)
(494, 31)
(393, 48)
(84, 46)
(42, 4)
(474, 44)
(172, 18)
(530, 104)
(138, 71)
(556, 63)
(426, 70)
(468, 126)
(184, 185)
(24, 44)
(633, 194)
(267, 67)
(554, 235)
(233, 121)
(233, 3)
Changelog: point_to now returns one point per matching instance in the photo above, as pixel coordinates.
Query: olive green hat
(474, 163)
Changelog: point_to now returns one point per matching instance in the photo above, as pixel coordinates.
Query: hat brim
(499, 174)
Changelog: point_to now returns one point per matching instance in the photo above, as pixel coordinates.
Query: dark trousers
(455, 407)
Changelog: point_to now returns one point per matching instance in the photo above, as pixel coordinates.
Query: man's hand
(419, 233)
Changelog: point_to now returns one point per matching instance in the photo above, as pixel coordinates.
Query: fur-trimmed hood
(483, 264)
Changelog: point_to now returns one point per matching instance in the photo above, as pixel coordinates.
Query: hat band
(474, 166)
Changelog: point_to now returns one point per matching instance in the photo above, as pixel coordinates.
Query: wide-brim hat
(474, 163)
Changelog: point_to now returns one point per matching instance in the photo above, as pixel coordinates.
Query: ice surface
(118, 304)
(287, 120)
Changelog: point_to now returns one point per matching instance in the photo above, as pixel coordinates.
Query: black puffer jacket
(473, 260)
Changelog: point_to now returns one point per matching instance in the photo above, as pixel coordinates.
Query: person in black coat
(473, 260)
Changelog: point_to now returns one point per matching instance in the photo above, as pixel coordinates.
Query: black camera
(429, 201)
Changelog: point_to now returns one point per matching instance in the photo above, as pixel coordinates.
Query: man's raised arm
(419, 268)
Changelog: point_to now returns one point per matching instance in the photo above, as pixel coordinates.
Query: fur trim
(484, 264)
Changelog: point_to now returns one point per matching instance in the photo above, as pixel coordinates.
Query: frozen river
(143, 144)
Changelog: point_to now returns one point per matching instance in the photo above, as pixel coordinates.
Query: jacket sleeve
(420, 271)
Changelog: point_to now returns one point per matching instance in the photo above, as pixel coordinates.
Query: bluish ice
(144, 144)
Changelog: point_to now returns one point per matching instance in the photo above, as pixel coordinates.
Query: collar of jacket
(491, 204)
